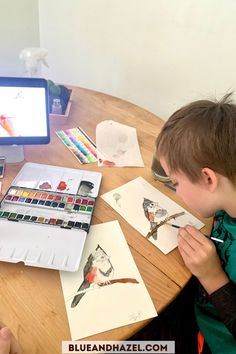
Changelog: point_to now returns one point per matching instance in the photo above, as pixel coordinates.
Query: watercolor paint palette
(79, 144)
(31, 205)
(46, 203)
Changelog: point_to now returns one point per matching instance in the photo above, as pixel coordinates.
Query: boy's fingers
(196, 234)
(5, 340)
(15, 346)
(187, 236)
(12, 344)
(2, 324)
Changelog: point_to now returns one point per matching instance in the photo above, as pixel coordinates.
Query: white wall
(19, 28)
(158, 54)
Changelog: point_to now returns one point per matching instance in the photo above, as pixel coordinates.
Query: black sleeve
(224, 300)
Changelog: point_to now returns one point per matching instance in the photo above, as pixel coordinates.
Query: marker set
(78, 142)
(46, 214)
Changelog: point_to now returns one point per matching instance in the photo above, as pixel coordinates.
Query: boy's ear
(210, 179)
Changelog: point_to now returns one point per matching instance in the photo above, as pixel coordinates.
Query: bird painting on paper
(98, 270)
(154, 213)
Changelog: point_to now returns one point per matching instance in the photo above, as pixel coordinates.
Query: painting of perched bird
(98, 269)
(154, 213)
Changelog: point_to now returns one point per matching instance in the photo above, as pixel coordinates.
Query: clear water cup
(157, 171)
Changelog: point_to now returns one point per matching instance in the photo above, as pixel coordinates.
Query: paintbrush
(211, 237)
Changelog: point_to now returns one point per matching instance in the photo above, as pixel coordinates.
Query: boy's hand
(200, 257)
(8, 343)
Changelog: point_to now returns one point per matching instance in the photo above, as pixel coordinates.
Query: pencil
(170, 187)
(89, 139)
(211, 237)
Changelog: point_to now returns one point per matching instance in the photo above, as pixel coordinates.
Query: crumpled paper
(117, 145)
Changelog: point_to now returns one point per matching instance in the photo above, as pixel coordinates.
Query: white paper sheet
(117, 145)
(106, 259)
(141, 204)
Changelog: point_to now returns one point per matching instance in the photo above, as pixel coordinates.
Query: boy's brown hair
(201, 134)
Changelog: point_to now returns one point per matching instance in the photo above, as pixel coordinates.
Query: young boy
(197, 150)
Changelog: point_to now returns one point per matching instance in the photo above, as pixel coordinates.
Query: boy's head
(198, 139)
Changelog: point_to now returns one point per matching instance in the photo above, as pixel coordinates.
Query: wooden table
(31, 299)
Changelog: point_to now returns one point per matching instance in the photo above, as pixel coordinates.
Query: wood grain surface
(31, 299)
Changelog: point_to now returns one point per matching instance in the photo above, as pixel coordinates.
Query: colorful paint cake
(79, 144)
(44, 207)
